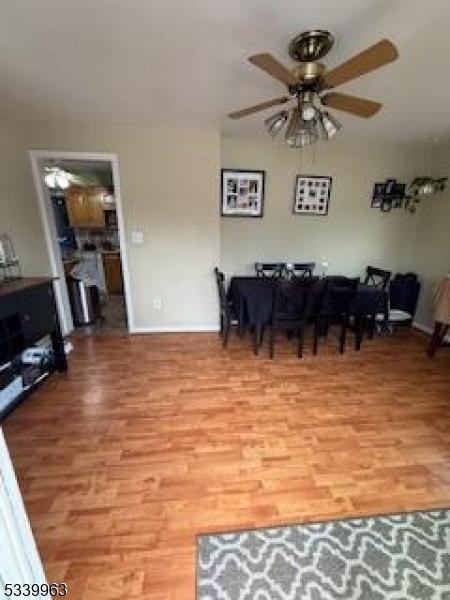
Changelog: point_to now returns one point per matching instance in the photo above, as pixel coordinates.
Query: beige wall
(352, 236)
(169, 181)
(19, 213)
(433, 240)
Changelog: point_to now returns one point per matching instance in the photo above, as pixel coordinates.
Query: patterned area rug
(394, 556)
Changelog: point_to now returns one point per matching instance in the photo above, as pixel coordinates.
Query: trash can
(84, 301)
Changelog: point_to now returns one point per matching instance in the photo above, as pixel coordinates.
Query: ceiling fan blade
(373, 58)
(257, 107)
(273, 67)
(351, 104)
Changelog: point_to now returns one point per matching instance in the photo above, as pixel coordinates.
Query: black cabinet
(37, 312)
(27, 314)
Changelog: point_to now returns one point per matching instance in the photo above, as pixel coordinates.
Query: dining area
(291, 299)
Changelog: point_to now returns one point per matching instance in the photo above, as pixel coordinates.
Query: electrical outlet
(157, 304)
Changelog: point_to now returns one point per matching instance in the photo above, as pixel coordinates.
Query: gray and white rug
(394, 556)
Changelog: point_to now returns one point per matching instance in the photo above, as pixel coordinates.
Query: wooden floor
(150, 440)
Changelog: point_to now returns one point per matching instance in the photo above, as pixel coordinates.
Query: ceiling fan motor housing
(307, 49)
(311, 46)
(308, 75)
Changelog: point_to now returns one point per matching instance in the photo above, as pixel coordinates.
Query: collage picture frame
(312, 195)
(242, 193)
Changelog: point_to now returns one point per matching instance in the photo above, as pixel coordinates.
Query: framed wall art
(388, 194)
(242, 193)
(312, 195)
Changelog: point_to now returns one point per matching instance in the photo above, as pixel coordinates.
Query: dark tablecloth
(252, 298)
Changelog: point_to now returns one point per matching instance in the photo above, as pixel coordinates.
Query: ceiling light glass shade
(329, 123)
(56, 178)
(50, 180)
(320, 127)
(308, 112)
(63, 180)
(300, 133)
(276, 122)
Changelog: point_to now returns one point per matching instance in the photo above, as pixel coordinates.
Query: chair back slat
(292, 300)
(220, 281)
(338, 296)
(377, 277)
(269, 270)
(300, 270)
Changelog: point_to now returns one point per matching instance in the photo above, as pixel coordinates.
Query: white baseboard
(175, 329)
(428, 330)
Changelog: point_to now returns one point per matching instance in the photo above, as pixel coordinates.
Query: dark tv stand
(28, 313)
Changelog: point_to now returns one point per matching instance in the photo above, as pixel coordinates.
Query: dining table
(252, 298)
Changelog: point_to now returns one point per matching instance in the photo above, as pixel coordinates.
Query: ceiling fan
(308, 84)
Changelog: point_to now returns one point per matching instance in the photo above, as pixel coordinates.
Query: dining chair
(300, 270)
(269, 270)
(377, 277)
(404, 292)
(334, 308)
(291, 310)
(227, 313)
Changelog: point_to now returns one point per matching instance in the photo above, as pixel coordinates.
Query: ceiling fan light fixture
(321, 128)
(56, 178)
(308, 112)
(302, 139)
(276, 122)
(300, 133)
(50, 180)
(307, 81)
(330, 124)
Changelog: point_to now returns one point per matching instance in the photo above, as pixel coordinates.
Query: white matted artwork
(242, 193)
(312, 195)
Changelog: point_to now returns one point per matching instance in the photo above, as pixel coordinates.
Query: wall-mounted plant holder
(423, 186)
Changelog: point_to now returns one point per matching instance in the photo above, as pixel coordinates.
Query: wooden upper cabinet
(85, 206)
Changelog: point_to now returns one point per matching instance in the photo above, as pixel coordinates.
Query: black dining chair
(291, 310)
(334, 308)
(228, 316)
(269, 270)
(300, 270)
(377, 277)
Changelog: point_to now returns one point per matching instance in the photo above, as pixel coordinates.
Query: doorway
(81, 209)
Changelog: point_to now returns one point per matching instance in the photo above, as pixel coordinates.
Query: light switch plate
(157, 304)
(137, 237)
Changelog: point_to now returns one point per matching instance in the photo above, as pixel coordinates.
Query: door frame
(48, 223)
(25, 562)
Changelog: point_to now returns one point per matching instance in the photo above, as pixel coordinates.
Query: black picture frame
(388, 195)
(378, 194)
(317, 189)
(242, 193)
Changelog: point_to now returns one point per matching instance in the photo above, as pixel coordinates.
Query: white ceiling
(183, 62)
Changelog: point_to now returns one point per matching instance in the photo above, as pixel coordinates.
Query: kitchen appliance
(66, 234)
(84, 301)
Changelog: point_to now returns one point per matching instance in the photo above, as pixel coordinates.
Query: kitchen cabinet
(85, 206)
(113, 273)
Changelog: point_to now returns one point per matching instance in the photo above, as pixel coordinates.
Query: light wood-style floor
(151, 440)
